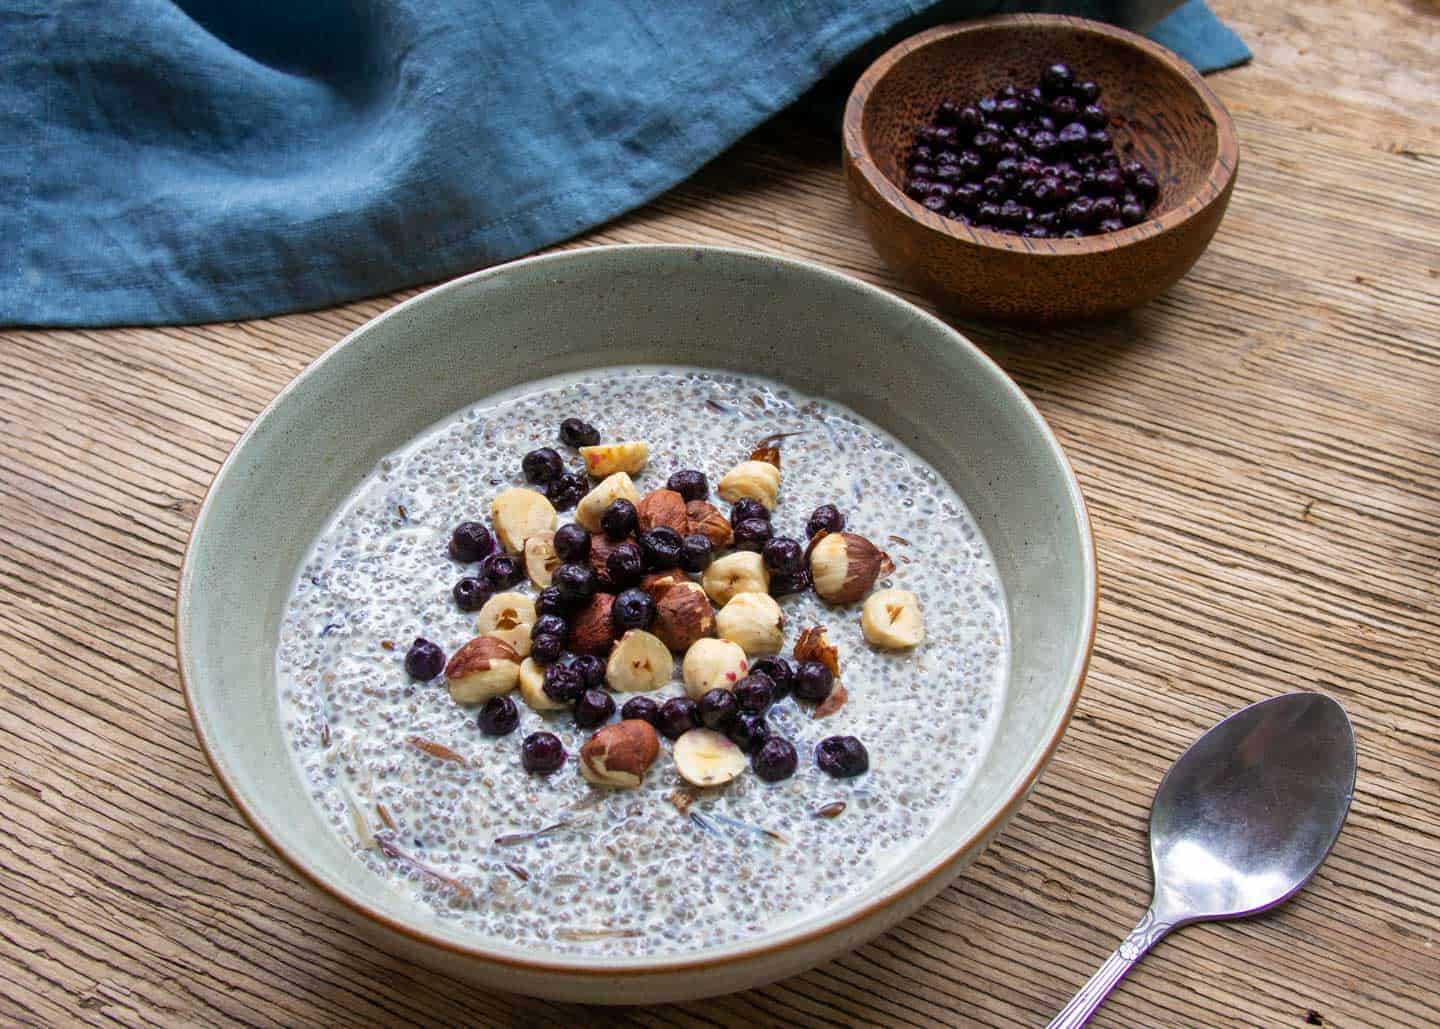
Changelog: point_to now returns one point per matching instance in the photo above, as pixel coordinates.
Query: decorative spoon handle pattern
(1144, 936)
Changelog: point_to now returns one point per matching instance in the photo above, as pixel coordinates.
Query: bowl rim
(632, 968)
(1218, 179)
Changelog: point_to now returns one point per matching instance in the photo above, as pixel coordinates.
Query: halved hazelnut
(843, 566)
(518, 514)
(619, 755)
(532, 687)
(540, 558)
(616, 487)
(743, 571)
(639, 663)
(508, 617)
(683, 615)
(891, 619)
(663, 508)
(592, 631)
(703, 757)
(754, 621)
(711, 664)
(608, 458)
(705, 519)
(483, 668)
(757, 480)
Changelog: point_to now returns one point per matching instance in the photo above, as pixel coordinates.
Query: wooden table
(1261, 453)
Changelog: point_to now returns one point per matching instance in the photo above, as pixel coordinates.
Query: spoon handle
(1108, 976)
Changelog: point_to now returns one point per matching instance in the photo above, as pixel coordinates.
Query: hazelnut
(663, 508)
(705, 519)
(532, 687)
(710, 664)
(639, 663)
(591, 630)
(757, 480)
(619, 755)
(601, 547)
(843, 566)
(891, 619)
(608, 458)
(518, 514)
(754, 621)
(508, 617)
(656, 583)
(482, 669)
(540, 558)
(703, 757)
(683, 615)
(594, 503)
(743, 571)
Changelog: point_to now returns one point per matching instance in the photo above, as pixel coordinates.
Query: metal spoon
(1239, 824)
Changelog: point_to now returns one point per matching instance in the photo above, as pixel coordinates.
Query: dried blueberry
(624, 566)
(619, 519)
(745, 509)
(775, 759)
(717, 708)
(500, 572)
(499, 717)
(841, 756)
(827, 517)
(813, 681)
(660, 547)
(690, 484)
(567, 490)
(592, 669)
(748, 730)
(470, 541)
(549, 625)
(1064, 109)
(548, 602)
(594, 707)
(755, 692)
(752, 533)
(576, 583)
(563, 682)
(696, 553)
(576, 433)
(572, 543)
(783, 554)
(633, 609)
(641, 708)
(778, 670)
(542, 752)
(470, 593)
(542, 466)
(676, 717)
(424, 660)
(546, 649)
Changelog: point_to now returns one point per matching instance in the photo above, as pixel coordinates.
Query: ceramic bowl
(449, 348)
(1160, 107)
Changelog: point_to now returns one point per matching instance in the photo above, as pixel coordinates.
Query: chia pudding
(445, 813)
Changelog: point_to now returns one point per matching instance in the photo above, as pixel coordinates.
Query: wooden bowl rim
(1218, 179)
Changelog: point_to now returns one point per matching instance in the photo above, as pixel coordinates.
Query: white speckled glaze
(461, 343)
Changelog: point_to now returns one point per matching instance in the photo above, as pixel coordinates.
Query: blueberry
(717, 708)
(946, 175)
(575, 433)
(1131, 214)
(938, 134)
(1080, 212)
(572, 543)
(1087, 91)
(1133, 169)
(934, 203)
(745, 509)
(542, 466)
(594, 707)
(1074, 135)
(546, 649)
(563, 682)
(500, 572)
(1009, 110)
(566, 491)
(988, 143)
(755, 692)
(1072, 234)
(696, 552)
(690, 484)
(470, 593)
(748, 730)
(1110, 183)
(576, 583)
(590, 668)
(677, 716)
(1044, 141)
(1100, 139)
(470, 541)
(783, 554)
(813, 681)
(1064, 109)
(918, 188)
(969, 118)
(619, 519)
(661, 547)
(641, 708)
(633, 609)
(424, 660)
(549, 625)
(996, 188)
(827, 517)
(967, 198)
(542, 752)
(1110, 225)
(919, 155)
(778, 670)
(1094, 116)
(1145, 186)
(841, 756)
(752, 533)
(1007, 91)
(1056, 79)
(972, 164)
(499, 717)
(775, 759)
(948, 113)
(624, 566)
(1008, 168)
(1105, 209)
(549, 603)
(1034, 231)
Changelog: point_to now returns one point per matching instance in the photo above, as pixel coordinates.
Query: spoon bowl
(1239, 824)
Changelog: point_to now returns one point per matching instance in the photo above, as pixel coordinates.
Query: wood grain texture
(1261, 453)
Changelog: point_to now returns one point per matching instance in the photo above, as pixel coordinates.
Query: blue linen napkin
(200, 160)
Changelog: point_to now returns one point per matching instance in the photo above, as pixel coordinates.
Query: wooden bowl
(1162, 114)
